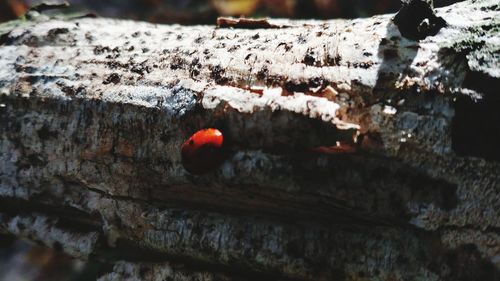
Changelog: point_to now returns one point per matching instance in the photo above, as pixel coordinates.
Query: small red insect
(203, 151)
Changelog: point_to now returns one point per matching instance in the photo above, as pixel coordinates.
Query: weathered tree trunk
(355, 153)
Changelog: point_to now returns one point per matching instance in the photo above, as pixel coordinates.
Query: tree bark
(355, 153)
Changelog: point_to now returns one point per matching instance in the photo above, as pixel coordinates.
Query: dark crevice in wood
(476, 127)
(272, 205)
(306, 205)
(483, 84)
(68, 217)
(127, 250)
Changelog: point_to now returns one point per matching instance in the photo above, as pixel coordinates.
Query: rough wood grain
(93, 113)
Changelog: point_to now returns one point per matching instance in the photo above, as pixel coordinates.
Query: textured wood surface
(354, 153)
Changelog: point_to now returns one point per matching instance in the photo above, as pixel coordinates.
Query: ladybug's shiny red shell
(203, 151)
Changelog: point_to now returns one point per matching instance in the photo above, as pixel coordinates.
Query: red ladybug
(203, 151)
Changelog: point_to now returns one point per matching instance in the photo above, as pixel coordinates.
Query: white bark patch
(247, 102)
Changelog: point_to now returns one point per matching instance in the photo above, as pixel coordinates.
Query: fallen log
(354, 152)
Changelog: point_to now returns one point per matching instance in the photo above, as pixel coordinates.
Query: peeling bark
(355, 153)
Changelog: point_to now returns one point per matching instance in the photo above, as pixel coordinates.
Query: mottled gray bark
(354, 153)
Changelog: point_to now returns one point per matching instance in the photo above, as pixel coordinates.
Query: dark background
(206, 11)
